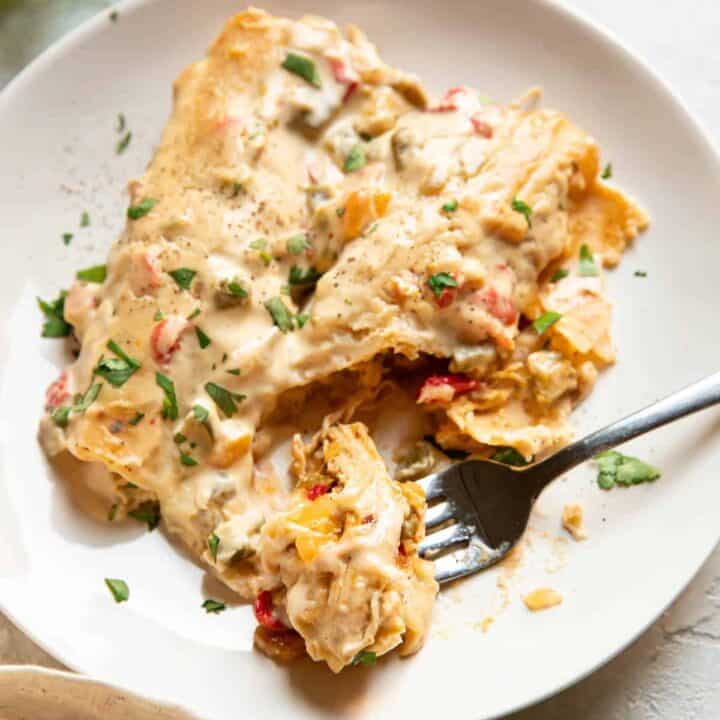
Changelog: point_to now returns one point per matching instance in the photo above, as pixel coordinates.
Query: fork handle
(695, 397)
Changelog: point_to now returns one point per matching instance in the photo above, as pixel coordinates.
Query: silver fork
(479, 509)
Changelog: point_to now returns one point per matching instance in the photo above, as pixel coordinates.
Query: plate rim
(580, 20)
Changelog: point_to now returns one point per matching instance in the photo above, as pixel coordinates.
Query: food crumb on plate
(572, 521)
(542, 599)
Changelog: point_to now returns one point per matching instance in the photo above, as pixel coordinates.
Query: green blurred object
(27, 27)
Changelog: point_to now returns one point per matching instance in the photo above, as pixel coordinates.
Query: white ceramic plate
(57, 142)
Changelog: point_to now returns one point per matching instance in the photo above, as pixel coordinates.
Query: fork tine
(437, 515)
(432, 486)
(444, 539)
(468, 560)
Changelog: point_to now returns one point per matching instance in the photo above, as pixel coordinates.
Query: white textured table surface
(673, 670)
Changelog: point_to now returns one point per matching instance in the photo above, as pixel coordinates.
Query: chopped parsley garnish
(54, 325)
(60, 416)
(170, 407)
(179, 438)
(614, 468)
(365, 657)
(66, 238)
(147, 512)
(451, 206)
(236, 289)
(187, 460)
(509, 456)
(213, 542)
(183, 277)
(524, 209)
(224, 398)
(640, 273)
(439, 281)
(203, 339)
(94, 274)
(129, 486)
(158, 315)
(135, 212)
(261, 245)
(85, 219)
(213, 606)
(302, 320)
(546, 320)
(136, 418)
(297, 244)
(119, 589)
(559, 275)
(112, 512)
(123, 143)
(298, 276)
(303, 67)
(588, 268)
(340, 211)
(117, 371)
(194, 314)
(234, 371)
(237, 188)
(355, 159)
(279, 313)
(607, 172)
(83, 402)
(120, 123)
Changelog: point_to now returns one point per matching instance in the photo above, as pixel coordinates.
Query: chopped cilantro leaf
(588, 268)
(261, 245)
(60, 416)
(194, 314)
(340, 211)
(135, 212)
(187, 460)
(509, 456)
(439, 281)
(67, 237)
(201, 413)
(123, 143)
(118, 588)
(280, 314)
(85, 219)
(147, 512)
(640, 273)
(203, 339)
(234, 371)
(117, 371)
(237, 188)
(120, 123)
(83, 402)
(179, 438)
(95, 274)
(170, 407)
(183, 277)
(224, 398)
(136, 418)
(113, 15)
(559, 274)
(297, 244)
(302, 320)
(55, 325)
(607, 172)
(614, 468)
(112, 512)
(355, 159)
(213, 542)
(524, 209)
(213, 606)
(450, 206)
(236, 289)
(365, 657)
(298, 276)
(546, 320)
(303, 67)
(158, 315)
